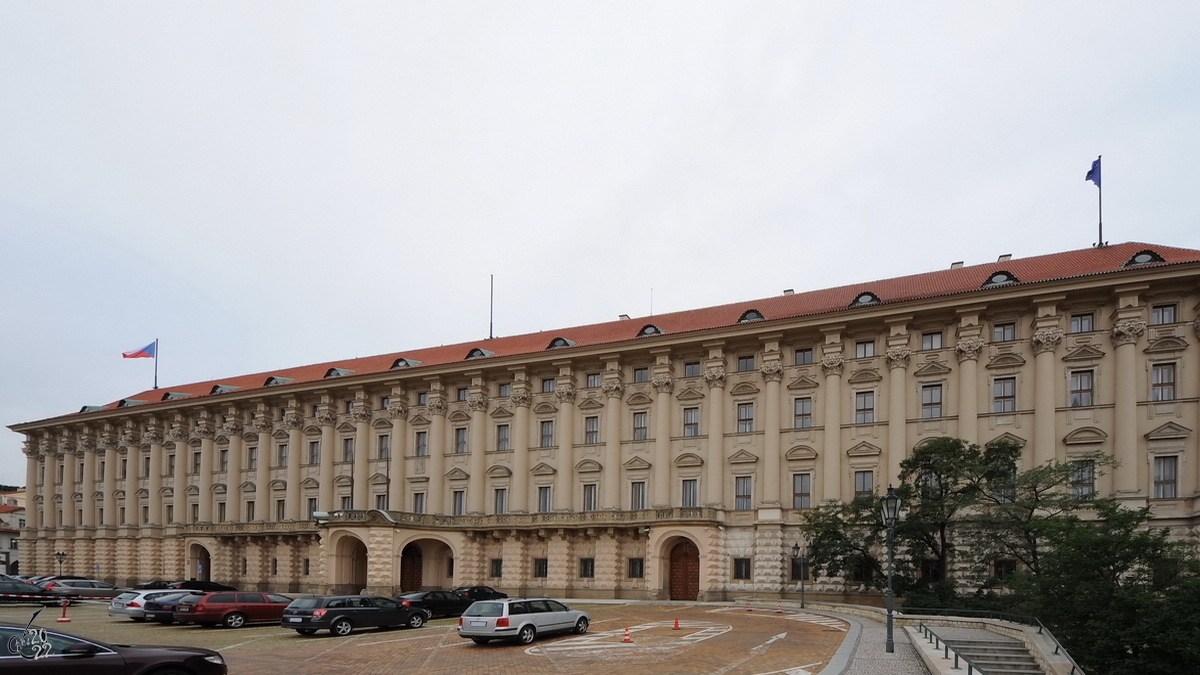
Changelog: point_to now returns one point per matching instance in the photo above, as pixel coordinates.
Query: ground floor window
(741, 568)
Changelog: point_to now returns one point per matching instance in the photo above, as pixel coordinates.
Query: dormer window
(865, 298)
(405, 363)
(275, 379)
(128, 402)
(91, 408)
(222, 389)
(338, 372)
(649, 329)
(560, 342)
(172, 396)
(751, 315)
(1144, 258)
(478, 353)
(1001, 277)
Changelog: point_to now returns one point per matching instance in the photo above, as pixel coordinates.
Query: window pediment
(639, 399)
(501, 412)
(863, 449)
(1085, 436)
(742, 457)
(864, 376)
(801, 452)
(588, 466)
(803, 381)
(1084, 353)
(310, 482)
(932, 369)
(1008, 360)
(590, 403)
(1011, 438)
(1169, 343)
(1168, 430)
(343, 481)
(499, 471)
(690, 394)
(458, 416)
(545, 408)
(689, 459)
(457, 474)
(247, 486)
(543, 469)
(636, 463)
(743, 389)
(378, 479)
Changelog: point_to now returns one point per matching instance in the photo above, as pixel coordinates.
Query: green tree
(843, 540)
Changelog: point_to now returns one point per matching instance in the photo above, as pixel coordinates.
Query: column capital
(1127, 331)
(565, 392)
(263, 424)
(897, 357)
(292, 420)
(1046, 339)
(662, 383)
(436, 406)
(1196, 327)
(521, 397)
(613, 388)
(772, 371)
(152, 436)
(478, 402)
(831, 364)
(968, 349)
(715, 377)
(361, 413)
(233, 427)
(326, 417)
(398, 410)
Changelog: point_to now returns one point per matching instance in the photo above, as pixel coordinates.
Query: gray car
(85, 587)
(132, 604)
(519, 619)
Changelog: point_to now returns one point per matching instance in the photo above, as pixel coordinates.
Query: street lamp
(803, 568)
(61, 557)
(889, 506)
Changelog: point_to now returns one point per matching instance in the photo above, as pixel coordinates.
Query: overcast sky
(263, 185)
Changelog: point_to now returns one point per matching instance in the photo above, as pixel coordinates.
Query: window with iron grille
(497, 570)
(541, 568)
(637, 568)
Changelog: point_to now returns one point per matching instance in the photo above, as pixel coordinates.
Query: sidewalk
(863, 652)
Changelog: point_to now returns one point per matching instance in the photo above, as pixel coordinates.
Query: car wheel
(416, 620)
(481, 641)
(341, 628)
(526, 635)
(234, 620)
(581, 626)
(306, 631)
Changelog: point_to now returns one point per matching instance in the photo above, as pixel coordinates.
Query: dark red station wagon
(233, 610)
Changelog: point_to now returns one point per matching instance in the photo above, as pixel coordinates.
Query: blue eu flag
(1094, 174)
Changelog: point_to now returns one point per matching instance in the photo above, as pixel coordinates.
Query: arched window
(649, 329)
(751, 315)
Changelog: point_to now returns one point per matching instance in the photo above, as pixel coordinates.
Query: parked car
(67, 653)
(206, 586)
(162, 608)
(132, 604)
(41, 581)
(232, 610)
(436, 603)
(341, 614)
(151, 585)
(480, 592)
(85, 588)
(8, 589)
(519, 619)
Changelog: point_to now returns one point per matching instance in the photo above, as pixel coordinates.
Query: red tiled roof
(945, 282)
(10, 509)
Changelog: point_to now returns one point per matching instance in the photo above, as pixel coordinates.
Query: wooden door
(685, 571)
(410, 569)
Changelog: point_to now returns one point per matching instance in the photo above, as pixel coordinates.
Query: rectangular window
(500, 500)
(502, 437)
(637, 568)
(801, 491)
(641, 428)
(418, 502)
(497, 568)
(745, 364)
(641, 375)
(505, 389)
(1165, 474)
(252, 458)
(589, 497)
(864, 349)
(195, 462)
(347, 502)
(314, 452)
(170, 465)
(745, 413)
(280, 509)
(691, 369)
(170, 513)
(307, 566)
(593, 380)
(802, 413)
(1004, 332)
(462, 393)
(222, 461)
(384, 402)
(864, 407)
(800, 568)
(423, 398)
(460, 502)
(541, 568)
(1083, 478)
(691, 422)
(547, 385)
(1082, 323)
(1004, 394)
(347, 449)
(804, 356)
(691, 493)
(1162, 382)
(316, 410)
(864, 483)
(931, 341)
(1160, 314)
(422, 444)
(591, 430)
(145, 469)
(460, 440)
(545, 505)
(1081, 388)
(587, 568)
(250, 510)
(312, 506)
(741, 568)
(547, 436)
(195, 513)
(931, 401)
(637, 495)
(220, 512)
(281, 455)
(742, 493)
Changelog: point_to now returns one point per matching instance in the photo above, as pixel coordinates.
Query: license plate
(184, 609)
(295, 619)
(476, 623)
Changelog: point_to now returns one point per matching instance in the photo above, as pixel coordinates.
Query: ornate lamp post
(60, 557)
(803, 568)
(889, 506)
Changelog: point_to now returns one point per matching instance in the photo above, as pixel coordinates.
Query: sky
(269, 184)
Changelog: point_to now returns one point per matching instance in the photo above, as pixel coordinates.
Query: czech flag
(146, 352)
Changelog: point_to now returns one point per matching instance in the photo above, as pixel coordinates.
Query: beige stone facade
(670, 464)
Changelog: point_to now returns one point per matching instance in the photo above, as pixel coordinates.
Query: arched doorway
(412, 560)
(684, 573)
(351, 567)
(199, 563)
(426, 565)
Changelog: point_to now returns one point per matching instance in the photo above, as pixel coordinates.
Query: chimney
(789, 291)
(623, 317)
(1005, 258)
(956, 265)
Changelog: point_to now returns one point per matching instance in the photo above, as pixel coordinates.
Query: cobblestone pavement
(869, 655)
(712, 640)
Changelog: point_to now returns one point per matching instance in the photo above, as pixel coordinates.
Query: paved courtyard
(723, 640)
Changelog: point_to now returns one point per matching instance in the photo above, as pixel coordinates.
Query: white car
(519, 619)
(132, 604)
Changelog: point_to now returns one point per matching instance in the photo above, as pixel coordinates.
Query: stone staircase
(997, 656)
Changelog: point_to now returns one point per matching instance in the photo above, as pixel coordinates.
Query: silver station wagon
(520, 619)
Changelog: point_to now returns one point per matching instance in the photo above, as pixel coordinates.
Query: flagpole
(156, 363)
(1100, 205)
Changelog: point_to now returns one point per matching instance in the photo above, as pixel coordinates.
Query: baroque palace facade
(667, 457)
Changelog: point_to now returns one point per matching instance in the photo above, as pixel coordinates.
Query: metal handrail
(939, 643)
(1025, 619)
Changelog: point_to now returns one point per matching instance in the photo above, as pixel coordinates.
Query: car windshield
(305, 603)
(485, 609)
(126, 596)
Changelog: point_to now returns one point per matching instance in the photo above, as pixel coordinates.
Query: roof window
(478, 353)
(1143, 257)
(338, 372)
(222, 389)
(91, 408)
(405, 363)
(865, 298)
(560, 342)
(128, 403)
(751, 315)
(649, 329)
(275, 379)
(173, 396)
(1000, 277)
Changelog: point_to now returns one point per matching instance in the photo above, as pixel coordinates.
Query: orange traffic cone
(64, 618)
(676, 624)
(779, 608)
(627, 635)
(748, 607)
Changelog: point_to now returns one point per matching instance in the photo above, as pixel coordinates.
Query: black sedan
(162, 609)
(36, 650)
(341, 614)
(206, 586)
(480, 593)
(437, 603)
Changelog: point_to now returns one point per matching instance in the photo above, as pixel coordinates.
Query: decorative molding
(864, 376)
(832, 364)
(689, 394)
(932, 369)
(1126, 331)
(521, 398)
(326, 417)
(864, 449)
(262, 424)
(742, 457)
(803, 381)
(968, 349)
(800, 452)
(397, 410)
(1168, 430)
(715, 377)
(689, 459)
(743, 389)
(639, 398)
(436, 406)
(635, 463)
(897, 357)
(588, 466)
(1085, 436)
(1084, 353)
(1009, 360)
(772, 371)
(477, 402)
(545, 408)
(590, 403)
(613, 388)
(1166, 344)
(662, 383)
(565, 393)
(1046, 340)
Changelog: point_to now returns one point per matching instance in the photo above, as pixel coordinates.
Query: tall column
(1124, 335)
(714, 477)
(663, 385)
(398, 411)
(263, 508)
(233, 429)
(831, 454)
(897, 361)
(519, 436)
(133, 471)
(564, 493)
(435, 500)
(111, 458)
(327, 419)
(772, 478)
(154, 438)
(477, 440)
(70, 466)
(207, 449)
(1044, 342)
(362, 449)
(33, 519)
(967, 350)
(293, 422)
(49, 510)
(88, 445)
(180, 437)
(613, 390)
